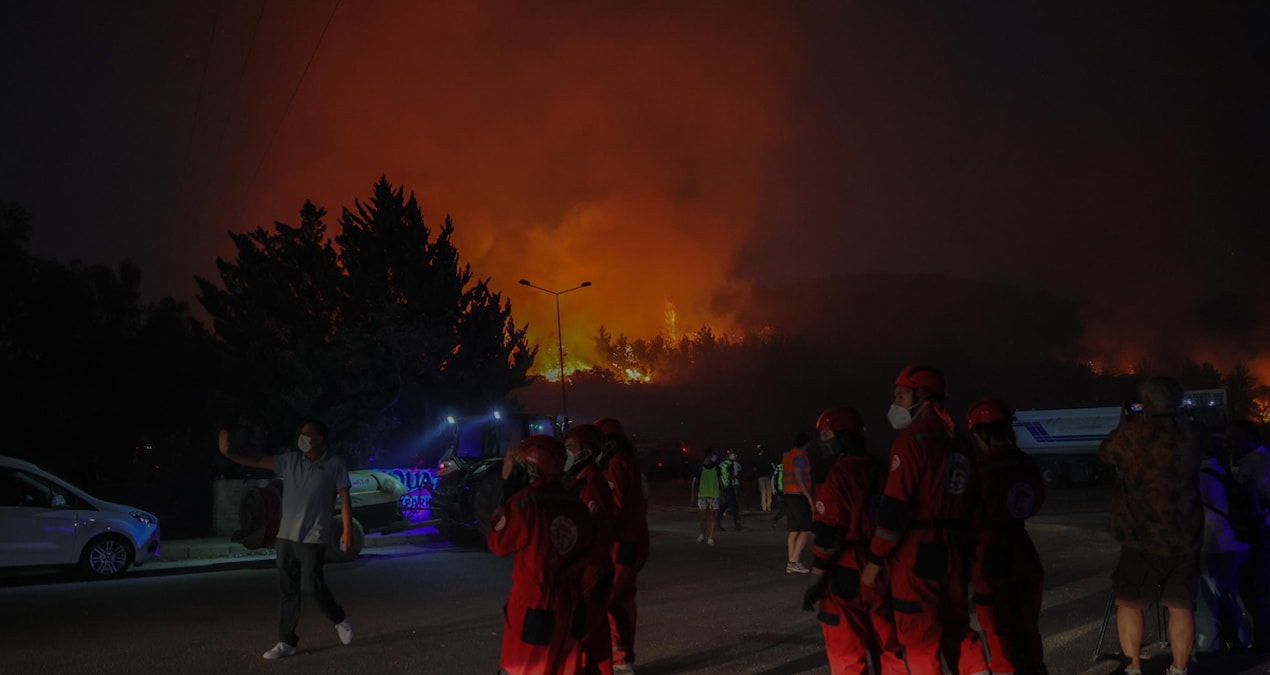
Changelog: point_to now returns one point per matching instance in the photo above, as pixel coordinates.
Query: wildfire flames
(645, 149)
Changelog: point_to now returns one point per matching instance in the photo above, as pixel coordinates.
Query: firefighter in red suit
(630, 547)
(1008, 577)
(922, 528)
(856, 620)
(582, 445)
(550, 532)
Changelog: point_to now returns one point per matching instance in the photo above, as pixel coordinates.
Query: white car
(46, 521)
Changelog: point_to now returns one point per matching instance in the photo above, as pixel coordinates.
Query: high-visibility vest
(728, 471)
(778, 478)
(787, 462)
(708, 484)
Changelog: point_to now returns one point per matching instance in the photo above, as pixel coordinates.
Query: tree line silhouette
(376, 326)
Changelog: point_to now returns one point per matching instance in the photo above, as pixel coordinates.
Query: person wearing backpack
(1227, 525)
(1251, 465)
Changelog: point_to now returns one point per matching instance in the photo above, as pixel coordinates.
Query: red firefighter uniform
(597, 577)
(549, 531)
(630, 547)
(1008, 577)
(922, 521)
(856, 620)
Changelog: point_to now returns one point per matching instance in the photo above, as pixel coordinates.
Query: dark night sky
(676, 153)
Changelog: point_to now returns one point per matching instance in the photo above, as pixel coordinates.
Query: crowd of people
(897, 548)
(901, 547)
(896, 545)
(575, 517)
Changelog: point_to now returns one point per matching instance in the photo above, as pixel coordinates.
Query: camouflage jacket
(1156, 506)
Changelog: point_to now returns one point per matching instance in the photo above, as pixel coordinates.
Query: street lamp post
(564, 407)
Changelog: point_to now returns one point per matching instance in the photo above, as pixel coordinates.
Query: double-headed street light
(564, 408)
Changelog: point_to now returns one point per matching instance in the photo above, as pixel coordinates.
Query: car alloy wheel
(107, 557)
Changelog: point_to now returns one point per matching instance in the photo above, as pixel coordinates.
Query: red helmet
(609, 425)
(587, 435)
(545, 454)
(987, 411)
(922, 377)
(840, 419)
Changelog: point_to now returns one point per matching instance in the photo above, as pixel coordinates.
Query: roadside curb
(178, 550)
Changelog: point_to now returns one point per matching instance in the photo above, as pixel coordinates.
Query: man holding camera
(1157, 518)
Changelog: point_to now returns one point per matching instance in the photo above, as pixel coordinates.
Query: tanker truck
(1065, 441)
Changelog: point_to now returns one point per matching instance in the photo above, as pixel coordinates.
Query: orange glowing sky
(673, 153)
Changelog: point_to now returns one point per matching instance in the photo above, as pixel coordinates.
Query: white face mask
(899, 417)
(572, 459)
(304, 443)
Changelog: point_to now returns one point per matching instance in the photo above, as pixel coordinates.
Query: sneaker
(280, 650)
(701, 538)
(740, 526)
(796, 568)
(1175, 671)
(709, 542)
(623, 669)
(345, 631)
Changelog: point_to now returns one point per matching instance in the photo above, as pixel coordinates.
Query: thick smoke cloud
(677, 154)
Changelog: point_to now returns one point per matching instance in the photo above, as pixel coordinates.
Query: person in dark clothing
(1250, 463)
(730, 474)
(763, 469)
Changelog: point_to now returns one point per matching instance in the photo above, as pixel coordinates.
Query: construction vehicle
(1065, 441)
(469, 479)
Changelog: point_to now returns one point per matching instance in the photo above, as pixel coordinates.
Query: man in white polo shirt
(310, 480)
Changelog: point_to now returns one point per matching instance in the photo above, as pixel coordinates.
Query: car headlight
(143, 517)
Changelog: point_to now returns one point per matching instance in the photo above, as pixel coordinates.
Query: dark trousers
(300, 569)
(727, 501)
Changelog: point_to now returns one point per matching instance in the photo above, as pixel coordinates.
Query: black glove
(811, 596)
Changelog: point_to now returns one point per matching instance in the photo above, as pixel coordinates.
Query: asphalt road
(435, 608)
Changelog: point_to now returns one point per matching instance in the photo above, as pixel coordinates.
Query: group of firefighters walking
(897, 545)
(575, 516)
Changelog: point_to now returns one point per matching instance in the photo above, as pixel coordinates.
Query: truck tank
(1065, 441)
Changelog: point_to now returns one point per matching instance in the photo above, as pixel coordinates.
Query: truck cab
(469, 475)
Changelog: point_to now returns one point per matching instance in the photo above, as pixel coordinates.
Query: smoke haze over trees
(377, 327)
